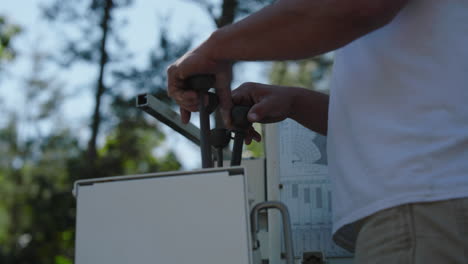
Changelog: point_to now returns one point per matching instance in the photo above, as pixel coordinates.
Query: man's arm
(310, 109)
(297, 29)
(287, 29)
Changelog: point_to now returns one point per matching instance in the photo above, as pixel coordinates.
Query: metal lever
(240, 124)
(286, 226)
(201, 84)
(239, 117)
(220, 138)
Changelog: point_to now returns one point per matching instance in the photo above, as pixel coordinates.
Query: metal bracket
(162, 112)
(286, 226)
(165, 114)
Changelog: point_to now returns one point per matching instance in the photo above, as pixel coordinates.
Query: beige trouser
(420, 233)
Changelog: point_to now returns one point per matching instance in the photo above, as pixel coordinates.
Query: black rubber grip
(239, 117)
(213, 102)
(220, 137)
(200, 82)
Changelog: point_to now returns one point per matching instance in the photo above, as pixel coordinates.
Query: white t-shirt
(398, 120)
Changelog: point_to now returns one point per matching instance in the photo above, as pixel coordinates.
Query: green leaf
(62, 260)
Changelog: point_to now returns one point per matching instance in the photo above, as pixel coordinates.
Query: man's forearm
(296, 29)
(310, 109)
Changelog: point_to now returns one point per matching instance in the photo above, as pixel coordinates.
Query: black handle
(240, 124)
(213, 102)
(219, 139)
(239, 117)
(200, 82)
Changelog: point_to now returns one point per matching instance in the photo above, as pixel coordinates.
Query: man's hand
(272, 103)
(199, 61)
(269, 104)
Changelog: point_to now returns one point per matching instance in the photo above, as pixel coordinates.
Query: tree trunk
(100, 87)
(228, 13)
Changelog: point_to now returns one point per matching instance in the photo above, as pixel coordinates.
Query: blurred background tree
(8, 32)
(37, 210)
(98, 30)
(42, 154)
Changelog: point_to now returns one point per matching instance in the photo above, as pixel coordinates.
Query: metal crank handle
(240, 124)
(201, 84)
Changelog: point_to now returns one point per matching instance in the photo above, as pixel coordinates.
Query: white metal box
(165, 218)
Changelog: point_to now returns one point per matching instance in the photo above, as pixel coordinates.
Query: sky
(144, 18)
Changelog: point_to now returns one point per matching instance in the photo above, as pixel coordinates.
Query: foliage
(36, 209)
(7, 33)
(97, 30)
(303, 73)
(129, 145)
(152, 78)
(83, 20)
(42, 155)
(36, 200)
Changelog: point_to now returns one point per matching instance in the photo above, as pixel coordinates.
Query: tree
(129, 146)
(151, 78)
(37, 171)
(103, 26)
(305, 73)
(34, 185)
(95, 19)
(8, 32)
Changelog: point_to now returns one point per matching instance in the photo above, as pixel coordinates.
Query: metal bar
(205, 146)
(237, 148)
(162, 112)
(219, 157)
(286, 226)
(165, 114)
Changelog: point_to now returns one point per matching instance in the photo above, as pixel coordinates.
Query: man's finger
(184, 115)
(252, 134)
(243, 95)
(256, 136)
(171, 81)
(256, 113)
(241, 99)
(189, 96)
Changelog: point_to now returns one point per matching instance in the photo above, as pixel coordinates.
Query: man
(396, 118)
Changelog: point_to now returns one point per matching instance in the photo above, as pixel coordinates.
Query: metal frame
(287, 234)
(162, 112)
(77, 184)
(165, 114)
